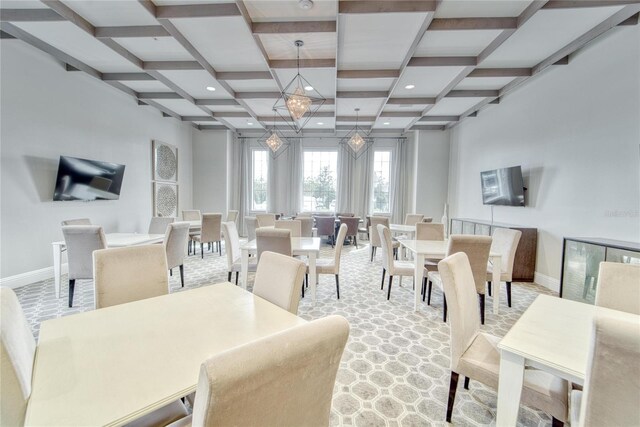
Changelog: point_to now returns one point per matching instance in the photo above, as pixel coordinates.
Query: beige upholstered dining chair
(332, 265)
(158, 224)
(251, 224)
(326, 226)
(273, 240)
(352, 224)
(210, 232)
(475, 355)
(232, 216)
(413, 219)
(79, 221)
(129, 274)
(364, 229)
(345, 214)
(232, 248)
(429, 231)
(374, 236)
(390, 265)
(81, 241)
(612, 385)
(266, 220)
(427, 219)
(192, 215)
(304, 214)
(175, 240)
(505, 241)
(619, 287)
(278, 280)
(306, 226)
(477, 249)
(293, 225)
(269, 382)
(18, 351)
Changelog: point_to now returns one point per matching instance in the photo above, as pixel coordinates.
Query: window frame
(253, 151)
(373, 176)
(306, 150)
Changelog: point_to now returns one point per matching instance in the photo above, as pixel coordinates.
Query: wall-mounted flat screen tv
(82, 179)
(503, 187)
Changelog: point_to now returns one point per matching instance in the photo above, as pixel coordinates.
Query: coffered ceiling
(405, 64)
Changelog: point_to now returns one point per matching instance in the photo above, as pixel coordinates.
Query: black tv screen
(82, 179)
(503, 187)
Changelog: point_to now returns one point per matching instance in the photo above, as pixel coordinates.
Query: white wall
(432, 173)
(210, 171)
(47, 112)
(575, 130)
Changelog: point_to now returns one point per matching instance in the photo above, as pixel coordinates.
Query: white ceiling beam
(211, 127)
(500, 72)
(400, 114)
(158, 95)
(268, 119)
(356, 94)
(471, 93)
(244, 75)
(397, 6)
(456, 24)
(217, 102)
(577, 4)
(304, 63)
(127, 77)
(131, 31)
(368, 74)
(29, 15)
(439, 118)
(291, 27)
(171, 65)
(442, 61)
(360, 119)
(210, 10)
(4, 35)
(428, 127)
(412, 101)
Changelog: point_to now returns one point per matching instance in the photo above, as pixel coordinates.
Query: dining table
(113, 365)
(554, 335)
(437, 249)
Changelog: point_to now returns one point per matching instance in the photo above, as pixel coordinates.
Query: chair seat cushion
(161, 417)
(238, 267)
(503, 273)
(435, 278)
(324, 266)
(403, 268)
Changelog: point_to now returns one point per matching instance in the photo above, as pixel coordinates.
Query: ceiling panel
(453, 106)
(393, 122)
(322, 80)
(155, 48)
(321, 123)
(374, 41)
(364, 84)
(253, 85)
(226, 43)
(484, 83)
(262, 107)
(455, 43)
(428, 81)
(405, 107)
(146, 86)
(22, 4)
(544, 34)
(195, 83)
(267, 10)
(481, 8)
(181, 107)
(367, 106)
(316, 45)
(225, 108)
(105, 13)
(80, 45)
(243, 123)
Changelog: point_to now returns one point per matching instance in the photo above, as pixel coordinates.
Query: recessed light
(211, 88)
(320, 123)
(308, 88)
(409, 86)
(386, 123)
(250, 123)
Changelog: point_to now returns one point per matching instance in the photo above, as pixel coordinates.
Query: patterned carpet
(395, 369)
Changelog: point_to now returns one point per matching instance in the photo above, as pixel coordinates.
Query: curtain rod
(396, 138)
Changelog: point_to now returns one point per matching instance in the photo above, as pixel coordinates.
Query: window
(260, 179)
(381, 181)
(320, 172)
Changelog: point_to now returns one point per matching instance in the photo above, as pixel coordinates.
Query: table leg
(57, 266)
(418, 275)
(495, 283)
(312, 275)
(244, 268)
(509, 388)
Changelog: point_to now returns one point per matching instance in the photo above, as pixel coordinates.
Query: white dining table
(408, 230)
(110, 366)
(306, 246)
(554, 335)
(437, 249)
(114, 240)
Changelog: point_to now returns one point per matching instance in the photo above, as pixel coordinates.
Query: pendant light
(273, 140)
(356, 143)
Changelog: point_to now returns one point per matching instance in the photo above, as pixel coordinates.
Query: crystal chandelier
(355, 143)
(298, 101)
(273, 140)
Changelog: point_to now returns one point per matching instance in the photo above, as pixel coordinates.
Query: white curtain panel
(364, 184)
(272, 187)
(345, 181)
(400, 173)
(294, 193)
(239, 199)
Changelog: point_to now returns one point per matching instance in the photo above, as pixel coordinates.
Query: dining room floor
(395, 368)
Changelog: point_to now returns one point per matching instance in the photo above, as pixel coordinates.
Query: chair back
(266, 220)
(352, 224)
(505, 241)
(232, 216)
(193, 215)
(413, 219)
(462, 302)
(293, 225)
(79, 221)
(18, 351)
(211, 227)
(306, 226)
(325, 225)
(374, 236)
(175, 240)
(342, 234)
(129, 274)
(386, 243)
(612, 386)
(304, 214)
(231, 243)
(619, 287)
(477, 249)
(81, 241)
(278, 279)
(251, 223)
(427, 219)
(158, 224)
(430, 231)
(269, 381)
(273, 240)
(345, 214)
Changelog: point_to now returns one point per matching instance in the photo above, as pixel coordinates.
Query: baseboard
(30, 277)
(548, 282)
